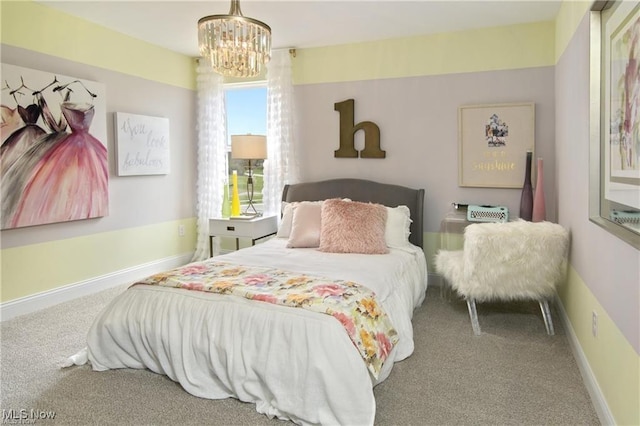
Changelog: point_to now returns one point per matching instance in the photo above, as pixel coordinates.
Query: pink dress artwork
(15, 175)
(10, 122)
(18, 142)
(68, 180)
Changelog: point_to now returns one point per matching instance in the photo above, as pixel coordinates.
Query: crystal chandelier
(234, 45)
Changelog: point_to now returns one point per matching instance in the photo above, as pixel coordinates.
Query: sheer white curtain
(281, 166)
(212, 153)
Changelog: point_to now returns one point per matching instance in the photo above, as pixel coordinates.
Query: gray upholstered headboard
(363, 190)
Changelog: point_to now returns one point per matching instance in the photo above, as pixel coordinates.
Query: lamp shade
(249, 147)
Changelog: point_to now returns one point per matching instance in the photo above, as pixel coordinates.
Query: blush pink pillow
(353, 227)
(305, 226)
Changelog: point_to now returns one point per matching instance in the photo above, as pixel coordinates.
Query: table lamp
(249, 147)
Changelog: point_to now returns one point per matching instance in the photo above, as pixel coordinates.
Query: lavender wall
(133, 200)
(418, 121)
(609, 266)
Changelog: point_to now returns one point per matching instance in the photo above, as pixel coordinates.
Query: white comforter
(292, 363)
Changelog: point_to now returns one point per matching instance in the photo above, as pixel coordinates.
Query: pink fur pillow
(353, 227)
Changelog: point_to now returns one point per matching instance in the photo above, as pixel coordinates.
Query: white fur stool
(517, 260)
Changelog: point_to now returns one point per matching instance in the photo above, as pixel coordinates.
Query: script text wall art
(143, 144)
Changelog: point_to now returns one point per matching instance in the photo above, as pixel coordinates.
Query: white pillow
(397, 229)
(285, 221)
(305, 225)
(287, 216)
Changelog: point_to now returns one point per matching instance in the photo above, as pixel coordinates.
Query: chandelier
(234, 45)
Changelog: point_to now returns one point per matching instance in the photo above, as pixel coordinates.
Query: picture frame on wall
(614, 199)
(621, 106)
(493, 140)
(53, 160)
(142, 144)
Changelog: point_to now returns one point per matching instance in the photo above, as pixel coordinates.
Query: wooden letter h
(348, 130)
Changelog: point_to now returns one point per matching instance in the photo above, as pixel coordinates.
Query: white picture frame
(493, 144)
(142, 144)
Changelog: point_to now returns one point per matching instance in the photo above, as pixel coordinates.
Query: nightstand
(452, 229)
(254, 229)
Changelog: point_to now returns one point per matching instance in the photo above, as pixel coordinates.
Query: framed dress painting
(615, 119)
(53, 156)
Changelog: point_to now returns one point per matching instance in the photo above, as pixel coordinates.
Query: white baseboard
(45, 299)
(597, 398)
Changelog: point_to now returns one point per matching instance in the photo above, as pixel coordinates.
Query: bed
(293, 362)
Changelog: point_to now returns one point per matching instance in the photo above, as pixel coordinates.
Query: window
(246, 107)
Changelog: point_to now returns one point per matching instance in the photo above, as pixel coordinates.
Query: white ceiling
(307, 23)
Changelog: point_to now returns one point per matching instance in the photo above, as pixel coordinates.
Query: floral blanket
(354, 305)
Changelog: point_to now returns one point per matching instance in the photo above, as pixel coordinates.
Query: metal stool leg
(546, 314)
(473, 314)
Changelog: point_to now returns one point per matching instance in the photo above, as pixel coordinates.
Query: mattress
(292, 363)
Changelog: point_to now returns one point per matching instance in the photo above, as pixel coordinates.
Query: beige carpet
(514, 374)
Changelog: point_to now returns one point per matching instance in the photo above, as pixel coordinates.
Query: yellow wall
(567, 21)
(72, 260)
(614, 362)
(42, 29)
(520, 46)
